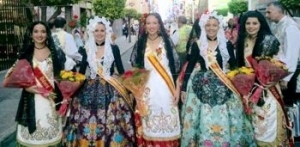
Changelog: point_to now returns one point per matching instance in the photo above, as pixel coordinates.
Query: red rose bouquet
(268, 72)
(243, 80)
(135, 81)
(68, 84)
(20, 75)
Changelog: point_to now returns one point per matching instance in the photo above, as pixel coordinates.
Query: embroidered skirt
(99, 117)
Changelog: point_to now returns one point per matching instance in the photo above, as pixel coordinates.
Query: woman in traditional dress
(38, 122)
(101, 114)
(269, 119)
(212, 114)
(158, 124)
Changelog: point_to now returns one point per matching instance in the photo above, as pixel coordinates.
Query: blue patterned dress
(212, 115)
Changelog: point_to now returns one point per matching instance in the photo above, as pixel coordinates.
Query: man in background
(65, 41)
(184, 31)
(287, 32)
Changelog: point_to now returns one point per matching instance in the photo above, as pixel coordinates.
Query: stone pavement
(9, 99)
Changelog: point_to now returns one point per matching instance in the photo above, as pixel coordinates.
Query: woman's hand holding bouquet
(243, 80)
(135, 81)
(69, 82)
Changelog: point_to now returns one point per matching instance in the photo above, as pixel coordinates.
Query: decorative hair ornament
(91, 47)
(222, 45)
(205, 17)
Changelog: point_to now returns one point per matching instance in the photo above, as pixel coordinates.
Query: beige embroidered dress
(160, 125)
(48, 124)
(268, 120)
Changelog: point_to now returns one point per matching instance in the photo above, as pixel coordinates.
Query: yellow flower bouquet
(243, 80)
(69, 82)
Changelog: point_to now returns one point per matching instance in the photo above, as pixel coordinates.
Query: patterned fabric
(48, 124)
(99, 117)
(206, 85)
(211, 120)
(142, 142)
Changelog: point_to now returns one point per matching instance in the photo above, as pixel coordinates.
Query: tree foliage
(83, 19)
(237, 6)
(111, 9)
(222, 11)
(131, 13)
(291, 4)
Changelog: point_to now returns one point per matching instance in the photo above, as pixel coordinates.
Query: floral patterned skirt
(99, 117)
(212, 116)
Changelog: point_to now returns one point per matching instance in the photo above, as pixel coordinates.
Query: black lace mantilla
(210, 89)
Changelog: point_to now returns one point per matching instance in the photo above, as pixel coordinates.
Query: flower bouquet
(135, 81)
(268, 72)
(69, 82)
(20, 75)
(243, 80)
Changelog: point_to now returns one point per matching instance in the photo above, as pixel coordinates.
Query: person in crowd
(51, 26)
(288, 34)
(174, 34)
(78, 38)
(193, 37)
(125, 29)
(101, 114)
(268, 118)
(38, 121)
(65, 41)
(184, 30)
(212, 113)
(158, 124)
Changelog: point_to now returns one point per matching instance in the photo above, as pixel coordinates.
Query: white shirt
(174, 34)
(288, 34)
(69, 47)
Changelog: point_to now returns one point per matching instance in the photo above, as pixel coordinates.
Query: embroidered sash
(42, 79)
(120, 88)
(162, 72)
(218, 71)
